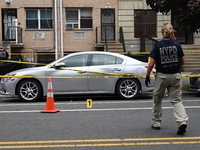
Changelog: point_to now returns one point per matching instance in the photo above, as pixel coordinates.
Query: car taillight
(153, 70)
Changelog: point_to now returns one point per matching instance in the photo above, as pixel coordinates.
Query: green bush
(185, 87)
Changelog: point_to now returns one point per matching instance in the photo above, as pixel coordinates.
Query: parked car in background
(80, 73)
(9, 65)
(195, 82)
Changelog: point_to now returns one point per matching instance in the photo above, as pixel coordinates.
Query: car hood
(29, 70)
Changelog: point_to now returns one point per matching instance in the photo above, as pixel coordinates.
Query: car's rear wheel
(29, 90)
(128, 89)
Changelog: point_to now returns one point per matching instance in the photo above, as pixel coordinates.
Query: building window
(39, 19)
(79, 18)
(101, 59)
(145, 23)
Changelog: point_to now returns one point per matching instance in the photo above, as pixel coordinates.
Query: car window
(101, 59)
(76, 61)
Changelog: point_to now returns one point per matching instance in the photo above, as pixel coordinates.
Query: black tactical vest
(169, 60)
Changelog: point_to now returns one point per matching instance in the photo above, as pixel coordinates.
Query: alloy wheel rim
(29, 90)
(128, 88)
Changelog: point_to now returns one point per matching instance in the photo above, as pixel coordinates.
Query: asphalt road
(110, 124)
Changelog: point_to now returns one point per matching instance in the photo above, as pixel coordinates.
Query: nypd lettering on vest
(168, 54)
(169, 60)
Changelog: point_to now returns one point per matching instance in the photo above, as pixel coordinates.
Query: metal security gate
(9, 17)
(108, 24)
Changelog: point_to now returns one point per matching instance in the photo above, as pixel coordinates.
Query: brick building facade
(63, 26)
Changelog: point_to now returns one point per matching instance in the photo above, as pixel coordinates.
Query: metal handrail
(96, 35)
(143, 42)
(121, 33)
(106, 41)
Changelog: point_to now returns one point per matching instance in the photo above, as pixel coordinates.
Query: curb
(189, 93)
(7, 96)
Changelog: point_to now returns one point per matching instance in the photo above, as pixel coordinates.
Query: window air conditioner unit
(69, 25)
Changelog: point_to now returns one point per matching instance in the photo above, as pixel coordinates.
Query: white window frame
(39, 19)
(79, 19)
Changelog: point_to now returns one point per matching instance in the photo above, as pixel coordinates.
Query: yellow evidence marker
(89, 103)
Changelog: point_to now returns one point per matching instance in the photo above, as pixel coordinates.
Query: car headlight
(7, 78)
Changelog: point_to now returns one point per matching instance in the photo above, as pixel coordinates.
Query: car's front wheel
(29, 90)
(128, 88)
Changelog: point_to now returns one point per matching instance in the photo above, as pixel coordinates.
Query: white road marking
(94, 102)
(91, 110)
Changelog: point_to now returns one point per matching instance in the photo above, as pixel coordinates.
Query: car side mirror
(59, 65)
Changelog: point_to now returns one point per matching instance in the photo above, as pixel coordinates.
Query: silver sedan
(80, 73)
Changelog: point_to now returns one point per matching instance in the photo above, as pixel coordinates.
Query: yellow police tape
(21, 62)
(113, 75)
(124, 76)
(52, 53)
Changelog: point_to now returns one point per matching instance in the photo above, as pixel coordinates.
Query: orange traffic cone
(50, 99)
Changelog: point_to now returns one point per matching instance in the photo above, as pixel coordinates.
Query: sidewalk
(185, 80)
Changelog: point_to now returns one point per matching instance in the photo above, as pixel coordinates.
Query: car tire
(128, 89)
(29, 90)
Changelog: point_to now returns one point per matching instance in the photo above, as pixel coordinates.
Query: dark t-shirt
(168, 54)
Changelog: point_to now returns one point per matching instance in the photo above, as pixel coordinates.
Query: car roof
(101, 52)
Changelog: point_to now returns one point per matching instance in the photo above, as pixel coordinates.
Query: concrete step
(190, 47)
(192, 64)
(192, 58)
(189, 69)
(114, 47)
(188, 55)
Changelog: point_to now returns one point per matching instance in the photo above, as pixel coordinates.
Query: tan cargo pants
(173, 83)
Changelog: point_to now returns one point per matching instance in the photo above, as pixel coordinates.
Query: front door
(108, 24)
(184, 36)
(9, 28)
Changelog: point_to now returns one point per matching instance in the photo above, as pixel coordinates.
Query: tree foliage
(187, 12)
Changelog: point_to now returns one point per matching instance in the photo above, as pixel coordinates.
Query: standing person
(168, 57)
(3, 54)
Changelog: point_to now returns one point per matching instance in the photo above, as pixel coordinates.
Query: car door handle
(116, 69)
(81, 72)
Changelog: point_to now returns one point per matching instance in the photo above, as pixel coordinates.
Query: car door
(75, 67)
(104, 63)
